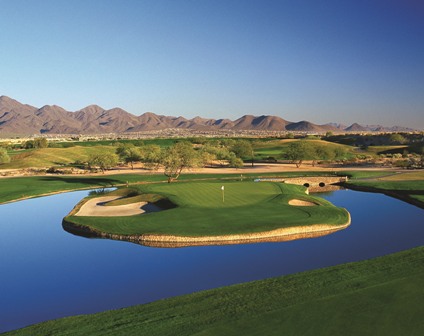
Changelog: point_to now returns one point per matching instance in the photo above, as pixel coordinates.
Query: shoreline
(163, 240)
(387, 192)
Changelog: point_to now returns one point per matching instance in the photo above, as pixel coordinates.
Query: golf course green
(211, 212)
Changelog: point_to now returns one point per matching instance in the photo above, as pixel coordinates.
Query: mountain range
(20, 119)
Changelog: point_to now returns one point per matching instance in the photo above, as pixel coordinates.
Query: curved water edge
(171, 241)
(403, 197)
(97, 207)
(48, 273)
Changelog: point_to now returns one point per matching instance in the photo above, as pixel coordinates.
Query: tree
(103, 160)
(397, 139)
(322, 152)
(215, 151)
(4, 157)
(129, 153)
(243, 149)
(235, 162)
(178, 157)
(36, 143)
(340, 153)
(151, 155)
(298, 151)
(206, 157)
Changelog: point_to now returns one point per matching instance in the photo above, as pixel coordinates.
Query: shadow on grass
(89, 181)
(403, 195)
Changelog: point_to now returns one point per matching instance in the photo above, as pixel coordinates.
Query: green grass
(418, 197)
(402, 186)
(365, 174)
(382, 296)
(48, 157)
(406, 176)
(377, 150)
(408, 186)
(248, 207)
(276, 148)
(23, 187)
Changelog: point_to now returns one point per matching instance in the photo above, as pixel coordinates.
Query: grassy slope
(376, 150)
(381, 296)
(23, 187)
(47, 157)
(408, 186)
(400, 186)
(248, 207)
(275, 148)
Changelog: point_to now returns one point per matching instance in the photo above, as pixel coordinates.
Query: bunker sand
(298, 202)
(96, 207)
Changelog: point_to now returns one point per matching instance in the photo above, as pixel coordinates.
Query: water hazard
(48, 273)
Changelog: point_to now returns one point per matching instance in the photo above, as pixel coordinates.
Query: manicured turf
(365, 174)
(247, 207)
(406, 176)
(24, 187)
(382, 296)
(406, 186)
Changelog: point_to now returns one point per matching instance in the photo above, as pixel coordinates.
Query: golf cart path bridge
(315, 181)
(311, 182)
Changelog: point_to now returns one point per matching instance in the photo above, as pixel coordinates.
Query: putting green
(212, 211)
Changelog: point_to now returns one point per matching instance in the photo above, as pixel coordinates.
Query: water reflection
(328, 188)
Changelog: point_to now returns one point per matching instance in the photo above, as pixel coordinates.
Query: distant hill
(18, 118)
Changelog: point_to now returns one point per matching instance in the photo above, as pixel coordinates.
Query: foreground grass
(382, 296)
(248, 207)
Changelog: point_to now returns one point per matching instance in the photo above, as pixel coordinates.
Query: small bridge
(315, 181)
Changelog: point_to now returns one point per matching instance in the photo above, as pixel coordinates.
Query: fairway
(204, 209)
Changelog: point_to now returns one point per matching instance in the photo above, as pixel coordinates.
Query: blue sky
(318, 60)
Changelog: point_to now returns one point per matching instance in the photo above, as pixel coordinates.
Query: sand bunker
(297, 202)
(96, 207)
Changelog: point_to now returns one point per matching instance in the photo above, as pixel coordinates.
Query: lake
(47, 273)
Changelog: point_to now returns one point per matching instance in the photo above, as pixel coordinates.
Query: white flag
(222, 188)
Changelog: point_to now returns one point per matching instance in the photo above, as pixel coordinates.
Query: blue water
(48, 273)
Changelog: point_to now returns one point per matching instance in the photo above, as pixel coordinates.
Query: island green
(204, 209)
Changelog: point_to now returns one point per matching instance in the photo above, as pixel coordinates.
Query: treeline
(302, 150)
(177, 157)
(412, 140)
